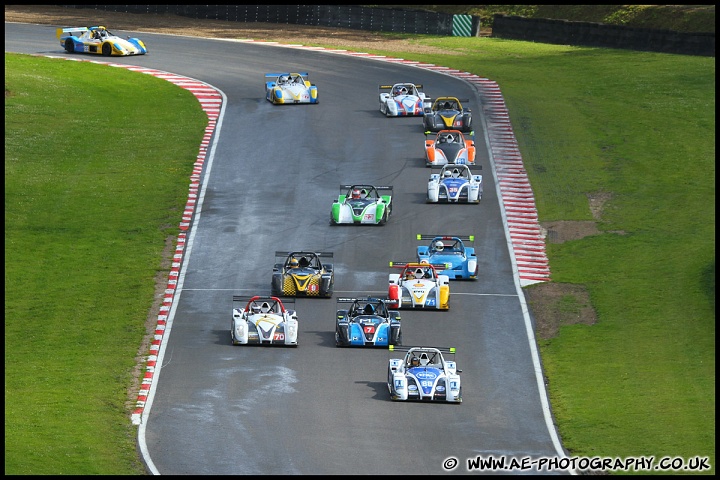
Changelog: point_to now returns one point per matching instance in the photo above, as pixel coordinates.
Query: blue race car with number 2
(450, 250)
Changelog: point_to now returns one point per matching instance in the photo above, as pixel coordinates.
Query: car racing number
(369, 329)
(278, 336)
(313, 287)
(369, 216)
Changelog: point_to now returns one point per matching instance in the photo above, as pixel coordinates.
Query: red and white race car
(263, 320)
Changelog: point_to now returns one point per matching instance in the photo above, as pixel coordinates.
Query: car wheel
(106, 49)
(69, 46)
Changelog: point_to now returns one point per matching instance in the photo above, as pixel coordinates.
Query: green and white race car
(362, 204)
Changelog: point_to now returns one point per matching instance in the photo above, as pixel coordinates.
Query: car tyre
(69, 46)
(106, 49)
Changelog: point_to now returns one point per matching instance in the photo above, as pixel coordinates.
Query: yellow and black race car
(303, 274)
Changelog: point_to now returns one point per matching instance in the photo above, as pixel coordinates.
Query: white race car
(289, 88)
(263, 320)
(403, 100)
(418, 286)
(424, 375)
(455, 184)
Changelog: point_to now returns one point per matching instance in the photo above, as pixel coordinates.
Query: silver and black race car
(366, 322)
(448, 113)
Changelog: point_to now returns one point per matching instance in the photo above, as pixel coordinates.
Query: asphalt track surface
(270, 179)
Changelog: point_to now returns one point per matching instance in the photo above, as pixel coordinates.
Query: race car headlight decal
(454, 386)
(472, 266)
(291, 329)
(399, 385)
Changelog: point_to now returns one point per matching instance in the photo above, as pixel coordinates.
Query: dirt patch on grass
(554, 305)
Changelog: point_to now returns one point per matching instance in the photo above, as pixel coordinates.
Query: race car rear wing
(464, 238)
(303, 252)
(389, 87)
(73, 31)
(381, 187)
(442, 266)
(404, 348)
(269, 75)
(263, 298)
(362, 299)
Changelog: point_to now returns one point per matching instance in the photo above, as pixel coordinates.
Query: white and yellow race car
(263, 320)
(418, 286)
(100, 41)
(290, 88)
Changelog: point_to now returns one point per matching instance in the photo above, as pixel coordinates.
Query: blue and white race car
(100, 41)
(455, 184)
(290, 88)
(460, 261)
(424, 375)
(403, 100)
(362, 204)
(366, 322)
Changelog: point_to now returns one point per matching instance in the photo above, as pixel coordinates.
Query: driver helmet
(447, 174)
(283, 79)
(439, 246)
(415, 362)
(293, 263)
(356, 193)
(255, 309)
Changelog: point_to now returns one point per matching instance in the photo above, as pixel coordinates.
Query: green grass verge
(636, 126)
(97, 165)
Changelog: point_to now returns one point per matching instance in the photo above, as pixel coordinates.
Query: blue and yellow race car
(460, 261)
(290, 88)
(100, 41)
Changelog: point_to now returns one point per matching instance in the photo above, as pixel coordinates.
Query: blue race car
(367, 322)
(460, 261)
(424, 375)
